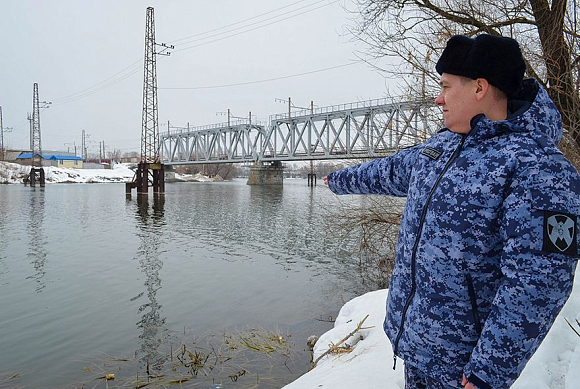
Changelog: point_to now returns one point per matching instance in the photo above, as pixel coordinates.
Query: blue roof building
(68, 161)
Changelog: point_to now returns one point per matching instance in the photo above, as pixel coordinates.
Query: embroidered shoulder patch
(560, 233)
(431, 153)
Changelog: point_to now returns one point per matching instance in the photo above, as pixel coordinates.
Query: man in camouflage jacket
(488, 242)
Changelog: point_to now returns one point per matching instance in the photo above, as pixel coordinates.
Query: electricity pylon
(150, 165)
(36, 171)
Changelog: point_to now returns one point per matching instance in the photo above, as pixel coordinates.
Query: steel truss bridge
(367, 129)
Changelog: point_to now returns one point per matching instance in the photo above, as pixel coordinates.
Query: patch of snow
(12, 173)
(556, 364)
(370, 364)
(197, 177)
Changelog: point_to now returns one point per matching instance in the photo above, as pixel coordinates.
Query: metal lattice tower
(150, 126)
(150, 165)
(35, 143)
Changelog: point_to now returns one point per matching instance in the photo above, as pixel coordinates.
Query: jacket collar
(530, 111)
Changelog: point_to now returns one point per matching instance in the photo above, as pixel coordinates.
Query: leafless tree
(370, 230)
(224, 170)
(114, 154)
(411, 34)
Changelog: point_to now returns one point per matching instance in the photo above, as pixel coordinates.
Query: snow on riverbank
(556, 364)
(12, 173)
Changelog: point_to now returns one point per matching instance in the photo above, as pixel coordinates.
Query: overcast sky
(87, 58)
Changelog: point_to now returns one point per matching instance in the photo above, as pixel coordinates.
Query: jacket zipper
(416, 244)
(473, 298)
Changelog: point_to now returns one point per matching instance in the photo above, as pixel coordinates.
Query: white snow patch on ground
(12, 173)
(556, 364)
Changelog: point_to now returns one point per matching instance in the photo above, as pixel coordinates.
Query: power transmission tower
(36, 172)
(150, 164)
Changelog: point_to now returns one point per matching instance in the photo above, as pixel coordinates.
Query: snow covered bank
(12, 173)
(198, 177)
(556, 364)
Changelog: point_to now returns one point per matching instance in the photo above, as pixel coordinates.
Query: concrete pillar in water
(261, 174)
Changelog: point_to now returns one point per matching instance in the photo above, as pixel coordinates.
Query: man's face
(457, 98)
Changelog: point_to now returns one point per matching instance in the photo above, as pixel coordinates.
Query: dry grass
(240, 359)
(338, 348)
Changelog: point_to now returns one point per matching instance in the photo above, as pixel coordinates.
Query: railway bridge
(367, 129)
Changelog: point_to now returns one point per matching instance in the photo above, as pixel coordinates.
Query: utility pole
(2, 131)
(29, 117)
(36, 172)
(150, 159)
(84, 146)
(102, 154)
(311, 175)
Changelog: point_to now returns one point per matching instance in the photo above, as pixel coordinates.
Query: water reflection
(310, 241)
(284, 222)
(150, 223)
(37, 252)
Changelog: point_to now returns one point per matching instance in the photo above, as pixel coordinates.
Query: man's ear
(482, 88)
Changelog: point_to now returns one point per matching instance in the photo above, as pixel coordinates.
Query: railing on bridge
(357, 130)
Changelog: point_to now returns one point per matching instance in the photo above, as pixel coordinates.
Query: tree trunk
(550, 24)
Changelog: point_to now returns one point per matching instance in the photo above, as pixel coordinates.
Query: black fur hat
(497, 59)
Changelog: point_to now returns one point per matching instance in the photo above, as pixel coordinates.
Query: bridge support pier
(261, 174)
(311, 179)
(36, 176)
(144, 170)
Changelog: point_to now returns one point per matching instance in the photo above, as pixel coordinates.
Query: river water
(94, 283)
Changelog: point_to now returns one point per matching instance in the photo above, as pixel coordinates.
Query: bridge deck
(359, 130)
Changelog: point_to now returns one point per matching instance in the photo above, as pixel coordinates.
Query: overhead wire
(245, 28)
(99, 86)
(236, 23)
(119, 76)
(264, 80)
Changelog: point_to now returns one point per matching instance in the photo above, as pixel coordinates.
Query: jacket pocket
(472, 297)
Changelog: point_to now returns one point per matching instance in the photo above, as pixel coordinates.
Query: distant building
(66, 161)
(57, 160)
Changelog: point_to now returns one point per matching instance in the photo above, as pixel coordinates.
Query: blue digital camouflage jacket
(488, 243)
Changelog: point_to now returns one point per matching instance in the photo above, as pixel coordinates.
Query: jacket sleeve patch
(560, 233)
(431, 153)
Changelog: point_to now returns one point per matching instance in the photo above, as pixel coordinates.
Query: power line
(266, 80)
(287, 14)
(91, 90)
(113, 80)
(236, 23)
(254, 28)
